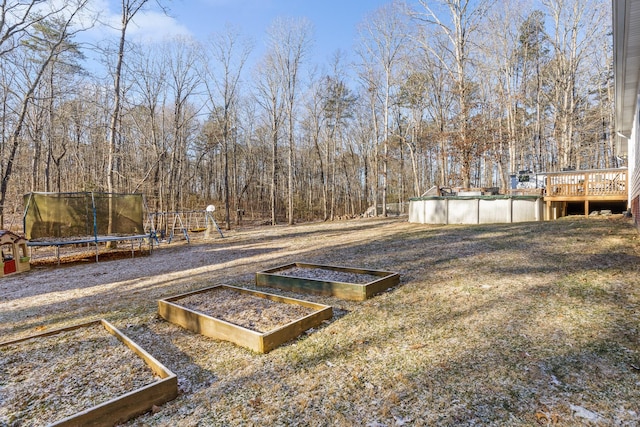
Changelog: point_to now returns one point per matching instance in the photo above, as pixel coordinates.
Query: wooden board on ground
(348, 283)
(160, 385)
(231, 314)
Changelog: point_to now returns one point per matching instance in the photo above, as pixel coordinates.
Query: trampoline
(59, 219)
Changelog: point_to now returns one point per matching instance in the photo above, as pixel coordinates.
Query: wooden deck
(600, 185)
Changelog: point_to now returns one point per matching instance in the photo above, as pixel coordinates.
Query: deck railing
(584, 184)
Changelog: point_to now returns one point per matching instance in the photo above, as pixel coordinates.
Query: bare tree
(384, 38)
(337, 108)
(507, 54)
(312, 127)
(574, 26)
(150, 88)
(459, 28)
(269, 95)
(129, 9)
(228, 52)
(184, 83)
(61, 22)
(369, 78)
(289, 41)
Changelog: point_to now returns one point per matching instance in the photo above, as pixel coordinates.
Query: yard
(502, 324)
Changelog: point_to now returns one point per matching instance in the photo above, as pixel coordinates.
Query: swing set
(166, 226)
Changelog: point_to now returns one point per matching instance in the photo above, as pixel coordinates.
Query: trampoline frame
(95, 238)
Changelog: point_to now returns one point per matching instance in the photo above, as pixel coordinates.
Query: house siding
(634, 170)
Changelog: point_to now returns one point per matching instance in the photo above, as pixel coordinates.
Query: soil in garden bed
(246, 310)
(329, 275)
(45, 379)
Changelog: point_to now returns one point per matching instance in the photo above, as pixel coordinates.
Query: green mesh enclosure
(50, 216)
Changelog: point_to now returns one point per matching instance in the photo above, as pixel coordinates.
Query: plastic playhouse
(14, 253)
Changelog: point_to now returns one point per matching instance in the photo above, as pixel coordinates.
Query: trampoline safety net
(53, 216)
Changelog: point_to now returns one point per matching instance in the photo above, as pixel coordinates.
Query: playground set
(93, 218)
(167, 226)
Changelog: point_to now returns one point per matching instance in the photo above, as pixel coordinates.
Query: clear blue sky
(335, 21)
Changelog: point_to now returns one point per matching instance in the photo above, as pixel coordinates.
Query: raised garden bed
(251, 319)
(343, 282)
(88, 374)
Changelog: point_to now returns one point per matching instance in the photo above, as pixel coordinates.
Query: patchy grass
(506, 324)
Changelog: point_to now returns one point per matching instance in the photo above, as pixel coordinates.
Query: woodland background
(446, 93)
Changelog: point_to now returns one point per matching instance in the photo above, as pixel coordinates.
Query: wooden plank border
(348, 291)
(171, 310)
(128, 405)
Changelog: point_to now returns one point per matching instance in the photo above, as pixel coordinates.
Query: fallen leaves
(544, 417)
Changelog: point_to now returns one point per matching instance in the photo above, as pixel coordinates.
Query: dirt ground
(503, 324)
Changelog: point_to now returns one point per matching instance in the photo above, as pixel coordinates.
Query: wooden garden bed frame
(128, 405)
(348, 291)
(260, 342)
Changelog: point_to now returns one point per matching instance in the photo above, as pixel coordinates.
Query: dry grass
(506, 324)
